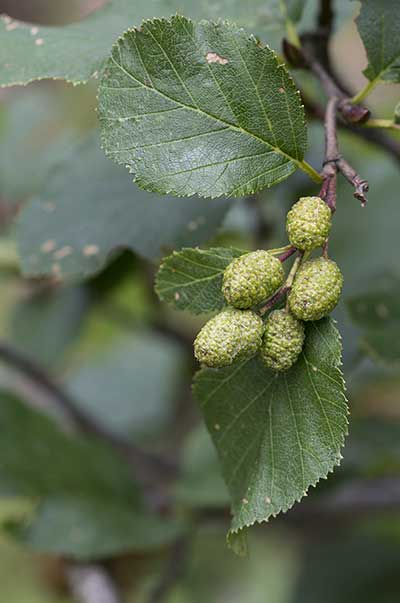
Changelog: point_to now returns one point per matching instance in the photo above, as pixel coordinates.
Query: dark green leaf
(44, 324)
(377, 313)
(119, 388)
(46, 461)
(191, 279)
(33, 140)
(379, 26)
(90, 208)
(200, 109)
(77, 52)
(276, 435)
(95, 528)
(80, 482)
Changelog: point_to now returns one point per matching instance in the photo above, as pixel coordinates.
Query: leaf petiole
(279, 250)
(310, 171)
(382, 123)
(364, 92)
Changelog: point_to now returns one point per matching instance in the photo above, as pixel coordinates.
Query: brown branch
(328, 189)
(351, 114)
(375, 137)
(325, 17)
(361, 186)
(333, 162)
(317, 59)
(337, 102)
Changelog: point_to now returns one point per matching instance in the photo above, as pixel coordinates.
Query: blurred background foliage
(91, 319)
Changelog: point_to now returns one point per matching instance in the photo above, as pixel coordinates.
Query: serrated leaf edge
(339, 456)
(163, 265)
(301, 164)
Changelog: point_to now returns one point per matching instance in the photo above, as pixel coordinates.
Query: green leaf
(191, 279)
(47, 461)
(200, 483)
(34, 138)
(377, 313)
(379, 26)
(124, 373)
(77, 52)
(79, 481)
(44, 324)
(90, 208)
(87, 529)
(276, 434)
(200, 109)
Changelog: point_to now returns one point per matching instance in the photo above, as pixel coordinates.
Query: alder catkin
(231, 335)
(316, 289)
(283, 340)
(252, 278)
(308, 223)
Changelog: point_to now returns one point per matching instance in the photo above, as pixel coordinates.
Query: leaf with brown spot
(95, 209)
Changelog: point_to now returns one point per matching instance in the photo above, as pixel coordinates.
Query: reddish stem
(280, 294)
(287, 254)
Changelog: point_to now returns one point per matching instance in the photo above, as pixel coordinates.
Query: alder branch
(306, 59)
(360, 185)
(333, 162)
(329, 170)
(338, 101)
(91, 583)
(375, 137)
(314, 55)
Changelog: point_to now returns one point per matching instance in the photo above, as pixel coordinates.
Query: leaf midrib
(384, 69)
(300, 164)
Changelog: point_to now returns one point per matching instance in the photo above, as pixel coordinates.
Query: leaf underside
(276, 434)
(200, 109)
(91, 208)
(379, 26)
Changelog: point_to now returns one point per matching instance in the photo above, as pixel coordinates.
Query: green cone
(308, 223)
(283, 340)
(252, 278)
(316, 289)
(229, 336)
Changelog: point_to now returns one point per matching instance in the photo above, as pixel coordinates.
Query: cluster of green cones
(312, 290)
